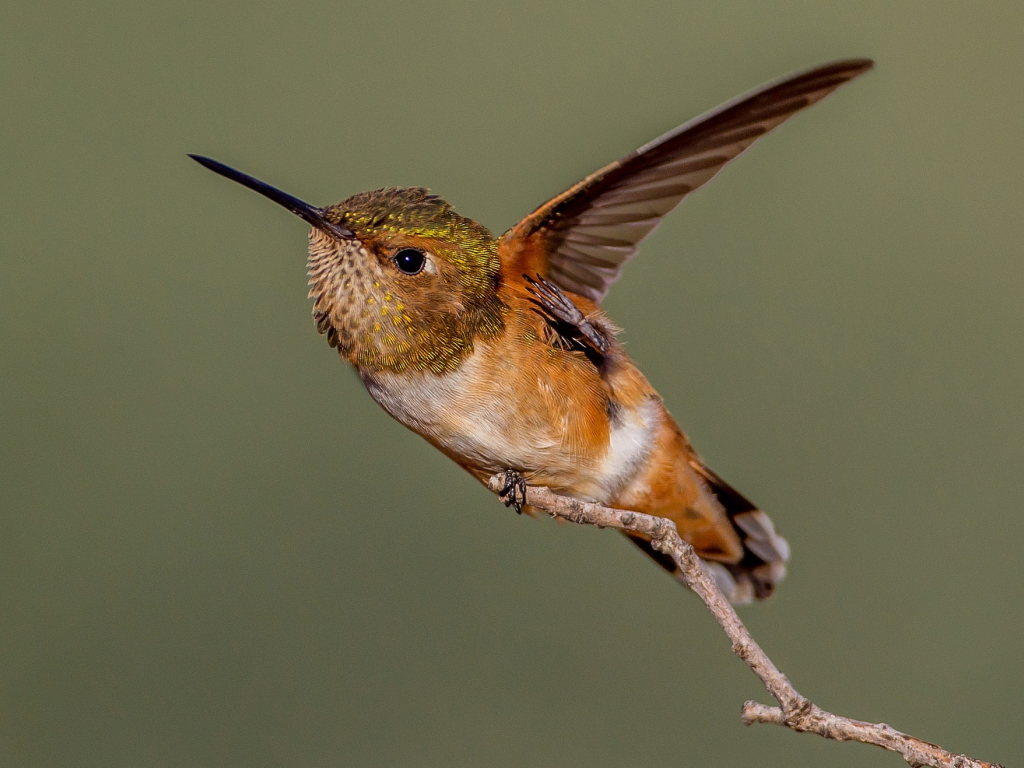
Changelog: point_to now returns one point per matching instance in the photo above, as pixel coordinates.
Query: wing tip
(862, 63)
(848, 68)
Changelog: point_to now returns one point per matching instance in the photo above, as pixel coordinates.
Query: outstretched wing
(581, 239)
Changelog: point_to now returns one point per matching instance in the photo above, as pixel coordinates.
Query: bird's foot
(513, 493)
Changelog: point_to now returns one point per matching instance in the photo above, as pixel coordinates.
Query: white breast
(460, 411)
(466, 412)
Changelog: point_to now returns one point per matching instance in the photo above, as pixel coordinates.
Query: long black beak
(313, 215)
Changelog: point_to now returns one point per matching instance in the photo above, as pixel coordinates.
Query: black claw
(513, 494)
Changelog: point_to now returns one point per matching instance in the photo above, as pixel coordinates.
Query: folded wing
(581, 239)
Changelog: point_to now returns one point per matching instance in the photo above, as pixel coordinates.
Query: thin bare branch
(794, 711)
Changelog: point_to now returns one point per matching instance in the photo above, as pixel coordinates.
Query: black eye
(409, 260)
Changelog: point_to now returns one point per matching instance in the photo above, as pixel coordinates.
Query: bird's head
(399, 280)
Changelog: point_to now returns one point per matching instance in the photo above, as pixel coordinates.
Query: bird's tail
(765, 553)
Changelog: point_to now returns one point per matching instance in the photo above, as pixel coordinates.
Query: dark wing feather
(582, 238)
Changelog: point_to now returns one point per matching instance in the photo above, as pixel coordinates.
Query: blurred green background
(216, 550)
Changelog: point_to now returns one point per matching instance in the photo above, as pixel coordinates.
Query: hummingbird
(496, 349)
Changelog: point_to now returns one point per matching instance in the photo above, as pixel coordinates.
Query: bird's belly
(473, 422)
(489, 423)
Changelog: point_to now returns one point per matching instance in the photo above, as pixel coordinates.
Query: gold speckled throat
(380, 319)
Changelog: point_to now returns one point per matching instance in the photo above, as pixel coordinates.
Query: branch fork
(795, 711)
